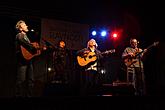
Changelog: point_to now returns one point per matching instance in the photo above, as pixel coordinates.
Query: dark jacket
(22, 41)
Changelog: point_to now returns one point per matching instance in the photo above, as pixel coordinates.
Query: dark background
(142, 19)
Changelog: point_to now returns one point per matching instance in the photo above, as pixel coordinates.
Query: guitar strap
(26, 38)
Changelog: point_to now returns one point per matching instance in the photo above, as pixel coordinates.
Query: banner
(74, 34)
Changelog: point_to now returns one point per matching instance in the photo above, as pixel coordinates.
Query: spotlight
(103, 33)
(94, 33)
(114, 35)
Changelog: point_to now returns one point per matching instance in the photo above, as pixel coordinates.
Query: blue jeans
(24, 80)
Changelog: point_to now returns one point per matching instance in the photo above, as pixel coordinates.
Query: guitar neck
(99, 54)
(154, 44)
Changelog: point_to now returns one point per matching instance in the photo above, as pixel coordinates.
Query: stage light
(103, 33)
(115, 35)
(94, 33)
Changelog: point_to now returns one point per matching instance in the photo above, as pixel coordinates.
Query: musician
(24, 79)
(88, 77)
(132, 57)
(60, 62)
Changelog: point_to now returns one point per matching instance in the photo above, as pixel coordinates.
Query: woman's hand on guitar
(85, 53)
(131, 54)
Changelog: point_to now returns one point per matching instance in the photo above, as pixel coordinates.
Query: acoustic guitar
(131, 60)
(91, 57)
(27, 55)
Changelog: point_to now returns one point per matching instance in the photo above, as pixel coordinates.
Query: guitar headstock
(155, 43)
(110, 51)
(113, 51)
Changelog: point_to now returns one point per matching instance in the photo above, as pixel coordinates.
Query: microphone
(32, 30)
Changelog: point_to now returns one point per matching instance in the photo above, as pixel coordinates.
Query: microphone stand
(141, 73)
(50, 49)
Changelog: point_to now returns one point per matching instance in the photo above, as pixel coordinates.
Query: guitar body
(27, 55)
(132, 60)
(91, 57)
(129, 61)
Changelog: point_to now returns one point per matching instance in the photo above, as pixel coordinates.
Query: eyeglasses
(133, 42)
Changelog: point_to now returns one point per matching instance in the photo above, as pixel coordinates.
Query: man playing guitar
(24, 78)
(132, 58)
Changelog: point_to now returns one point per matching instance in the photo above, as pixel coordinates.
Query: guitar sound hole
(90, 56)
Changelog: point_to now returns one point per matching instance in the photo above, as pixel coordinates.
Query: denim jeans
(24, 81)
